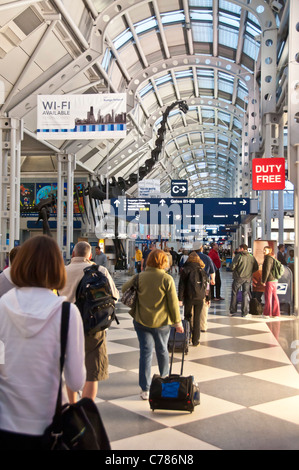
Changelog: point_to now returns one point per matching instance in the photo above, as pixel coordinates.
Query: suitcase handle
(172, 354)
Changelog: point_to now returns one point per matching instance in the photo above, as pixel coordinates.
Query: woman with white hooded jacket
(30, 319)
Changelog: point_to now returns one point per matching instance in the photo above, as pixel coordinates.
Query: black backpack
(95, 301)
(196, 285)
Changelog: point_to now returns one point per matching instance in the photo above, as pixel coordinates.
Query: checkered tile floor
(248, 378)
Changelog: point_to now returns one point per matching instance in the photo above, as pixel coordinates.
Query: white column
(10, 140)
(293, 130)
(65, 200)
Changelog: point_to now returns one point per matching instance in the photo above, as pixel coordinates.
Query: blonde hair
(157, 259)
(194, 258)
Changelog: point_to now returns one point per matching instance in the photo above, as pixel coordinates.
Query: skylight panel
(207, 113)
(228, 36)
(190, 168)
(250, 47)
(201, 3)
(173, 17)
(227, 19)
(145, 25)
(146, 89)
(226, 87)
(201, 165)
(224, 116)
(225, 5)
(252, 29)
(184, 74)
(202, 32)
(201, 15)
(164, 79)
(106, 59)
(122, 39)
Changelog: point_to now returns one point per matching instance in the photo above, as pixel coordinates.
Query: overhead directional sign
(189, 213)
(179, 188)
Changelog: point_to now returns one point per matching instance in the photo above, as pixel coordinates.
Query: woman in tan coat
(156, 310)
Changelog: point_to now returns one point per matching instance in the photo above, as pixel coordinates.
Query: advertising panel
(68, 117)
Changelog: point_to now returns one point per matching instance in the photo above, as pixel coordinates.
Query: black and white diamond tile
(249, 387)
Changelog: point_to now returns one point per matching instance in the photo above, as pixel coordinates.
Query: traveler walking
(192, 292)
(96, 357)
(146, 253)
(5, 280)
(100, 258)
(243, 266)
(270, 281)
(216, 289)
(281, 254)
(175, 260)
(210, 270)
(138, 259)
(156, 310)
(30, 331)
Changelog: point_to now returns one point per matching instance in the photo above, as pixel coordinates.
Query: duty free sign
(268, 174)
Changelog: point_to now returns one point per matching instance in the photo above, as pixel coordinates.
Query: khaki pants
(204, 316)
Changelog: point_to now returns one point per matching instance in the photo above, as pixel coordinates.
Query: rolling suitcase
(174, 392)
(180, 341)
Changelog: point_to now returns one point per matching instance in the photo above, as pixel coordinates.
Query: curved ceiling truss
(220, 56)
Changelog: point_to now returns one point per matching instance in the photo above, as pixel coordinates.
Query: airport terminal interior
(175, 122)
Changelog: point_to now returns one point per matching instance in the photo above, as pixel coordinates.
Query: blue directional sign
(189, 213)
(179, 188)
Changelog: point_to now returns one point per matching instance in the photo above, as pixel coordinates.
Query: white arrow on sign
(117, 202)
(162, 202)
(243, 202)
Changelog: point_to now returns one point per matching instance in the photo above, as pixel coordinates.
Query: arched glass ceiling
(197, 26)
(206, 52)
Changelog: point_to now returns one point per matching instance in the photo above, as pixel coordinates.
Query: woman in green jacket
(156, 310)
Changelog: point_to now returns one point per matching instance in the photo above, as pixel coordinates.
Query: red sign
(268, 174)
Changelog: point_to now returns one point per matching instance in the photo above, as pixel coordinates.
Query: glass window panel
(202, 32)
(122, 39)
(225, 5)
(146, 89)
(251, 47)
(145, 25)
(228, 36)
(201, 3)
(224, 86)
(173, 17)
(164, 79)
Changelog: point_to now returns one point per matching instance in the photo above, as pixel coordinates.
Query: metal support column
(293, 130)
(11, 135)
(280, 193)
(266, 195)
(65, 203)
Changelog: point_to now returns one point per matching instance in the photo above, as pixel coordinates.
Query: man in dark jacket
(243, 266)
(192, 292)
(280, 255)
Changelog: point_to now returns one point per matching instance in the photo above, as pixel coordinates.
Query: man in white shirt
(96, 357)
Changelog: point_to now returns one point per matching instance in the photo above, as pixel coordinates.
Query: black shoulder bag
(74, 426)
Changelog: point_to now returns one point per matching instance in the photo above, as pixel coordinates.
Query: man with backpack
(243, 266)
(192, 289)
(272, 271)
(96, 357)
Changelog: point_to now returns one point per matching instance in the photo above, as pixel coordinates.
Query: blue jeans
(148, 338)
(237, 284)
